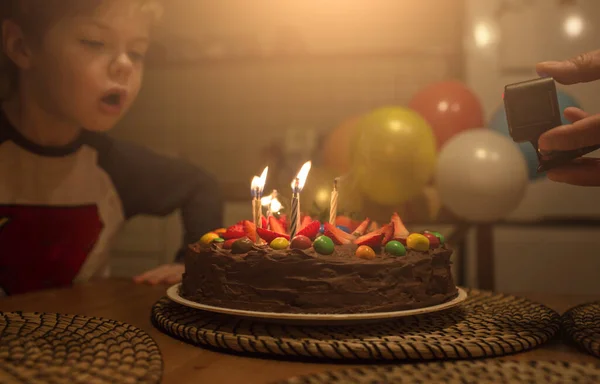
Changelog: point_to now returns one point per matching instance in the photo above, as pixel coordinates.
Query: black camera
(531, 109)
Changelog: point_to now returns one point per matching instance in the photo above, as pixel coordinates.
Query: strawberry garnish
(234, 232)
(362, 228)
(275, 225)
(268, 235)
(345, 221)
(388, 233)
(250, 230)
(305, 221)
(311, 230)
(372, 240)
(400, 231)
(284, 222)
(263, 222)
(373, 227)
(228, 243)
(337, 235)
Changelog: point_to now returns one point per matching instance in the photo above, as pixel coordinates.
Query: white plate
(173, 294)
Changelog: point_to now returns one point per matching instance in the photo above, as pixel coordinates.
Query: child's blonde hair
(36, 16)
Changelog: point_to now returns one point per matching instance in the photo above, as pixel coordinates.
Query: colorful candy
(395, 248)
(301, 242)
(439, 236)
(280, 243)
(218, 240)
(323, 245)
(208, 238)
(220, 231)
(365, 252)
(434, 241)
(417, 242)
(243, 245)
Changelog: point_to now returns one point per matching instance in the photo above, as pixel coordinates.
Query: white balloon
(481, 175)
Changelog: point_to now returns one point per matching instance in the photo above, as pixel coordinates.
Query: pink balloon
(449, 107)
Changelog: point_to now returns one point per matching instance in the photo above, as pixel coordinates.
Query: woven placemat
(463, 372)
(581, 326)
(486, 324)
(57, 348)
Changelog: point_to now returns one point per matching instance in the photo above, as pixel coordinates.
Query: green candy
(323, 245)
(395, 248)
(218, 240)
(243, 245)
(280, 243)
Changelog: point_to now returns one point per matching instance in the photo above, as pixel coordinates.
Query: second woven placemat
(485, 325)
(56, 348)
(462, 372)
(581, 326)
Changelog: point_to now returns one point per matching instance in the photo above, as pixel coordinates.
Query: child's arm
(151, 184)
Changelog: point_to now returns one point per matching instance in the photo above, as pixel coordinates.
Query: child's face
(88, 69)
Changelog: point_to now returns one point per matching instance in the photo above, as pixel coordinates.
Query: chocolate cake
(388, 269)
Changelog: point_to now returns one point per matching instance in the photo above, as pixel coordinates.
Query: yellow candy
(208, 238)
(365, 252)
(280, 243)
(417, 242)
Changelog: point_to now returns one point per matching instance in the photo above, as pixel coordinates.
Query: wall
(347, 57)
(503, 50)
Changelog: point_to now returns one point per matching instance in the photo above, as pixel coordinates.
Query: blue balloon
(499, 124)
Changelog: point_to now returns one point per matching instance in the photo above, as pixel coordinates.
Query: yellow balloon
(394, 155)
(316, 195)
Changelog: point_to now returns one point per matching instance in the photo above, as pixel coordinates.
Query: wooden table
(125, 301)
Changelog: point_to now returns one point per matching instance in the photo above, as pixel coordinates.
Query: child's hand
(165, 274)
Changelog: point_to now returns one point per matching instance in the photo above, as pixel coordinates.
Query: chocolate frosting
(303, 281)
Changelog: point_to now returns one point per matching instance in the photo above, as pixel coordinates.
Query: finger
(583, 172)
(150, 275)
(579, 69)
(173, 278)
(574, 114)
(582, 133)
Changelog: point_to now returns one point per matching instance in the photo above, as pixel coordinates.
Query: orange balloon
(336, 151)
(449, 107)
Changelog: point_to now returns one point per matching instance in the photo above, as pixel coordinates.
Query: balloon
(499, 124)
(336, 148)
(316, 195)
(394, 155)
(481, 175)
(450, 107)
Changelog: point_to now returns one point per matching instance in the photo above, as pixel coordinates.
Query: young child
(66, 187)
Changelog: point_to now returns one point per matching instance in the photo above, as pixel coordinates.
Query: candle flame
(302, 175)
(272, 201)
(258, 183)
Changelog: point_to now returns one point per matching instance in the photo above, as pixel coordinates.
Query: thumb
(581, 69)
(580, 134)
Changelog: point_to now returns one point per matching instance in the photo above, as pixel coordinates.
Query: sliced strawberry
(234, 232)
(250, 230)
(345, 221)
(275, 225)
(362, 228)
(311, 230)
(337, 235)
(373, 227)
(305, 221)
(284, 222)
(400, 231)
(268, 235)
(373, 240)
(228, 243)
(263, 222)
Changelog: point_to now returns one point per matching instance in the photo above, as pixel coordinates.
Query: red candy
(434, 241)
(301, 242)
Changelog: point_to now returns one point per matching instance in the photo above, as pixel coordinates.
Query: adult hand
(584, 129)
(165, 274)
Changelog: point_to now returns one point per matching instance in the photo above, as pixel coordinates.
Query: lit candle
(256, 188)
(333, 203)
(297, 185)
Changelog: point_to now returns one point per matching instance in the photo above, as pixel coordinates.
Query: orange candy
(365, 252)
